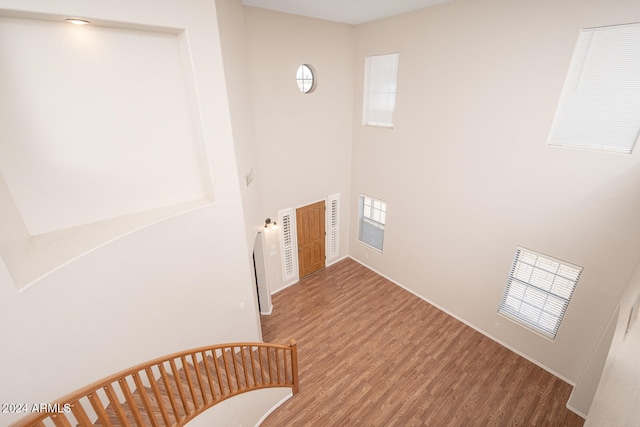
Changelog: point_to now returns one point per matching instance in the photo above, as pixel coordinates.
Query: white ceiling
(347, 11)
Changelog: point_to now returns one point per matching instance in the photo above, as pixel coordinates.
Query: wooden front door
(311, 236)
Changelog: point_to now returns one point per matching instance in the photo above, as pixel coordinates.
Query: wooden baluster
(278, 366)
(262, 374)
(205, 400)
(218, 374)
(253, 366)
(167, 386)
(60, 420)
(187, 373)
(117, 405)
(99, 410)
(244, 367)
(294, 365)
(176, 376)
(81, 415)
(158, 396)
(131, 402)
(235, 367)
(269, 365)
(142, 392)
(227, 371)
(207, 371)
(286, 366)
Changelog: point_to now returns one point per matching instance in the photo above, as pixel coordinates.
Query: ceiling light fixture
(77, 21)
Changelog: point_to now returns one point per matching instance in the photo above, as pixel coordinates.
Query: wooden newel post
(294, 365)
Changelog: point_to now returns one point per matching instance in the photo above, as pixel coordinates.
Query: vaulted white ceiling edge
(346, 11)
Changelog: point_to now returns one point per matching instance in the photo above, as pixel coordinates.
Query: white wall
(166, 288)
(103, 142)
(234, 53)
(585, 389)
(234, 56)
(242, 410)
(14, 236)
(616, 400)
(171, 285)
(109, 125)
(467, 175)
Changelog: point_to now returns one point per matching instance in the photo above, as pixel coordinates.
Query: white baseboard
(337, 260)
(276, 406)
(574, 410)
(285, 286)
(293, 282)
(535, 362)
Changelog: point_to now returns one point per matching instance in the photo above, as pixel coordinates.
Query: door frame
(294, 238)
(261, 276)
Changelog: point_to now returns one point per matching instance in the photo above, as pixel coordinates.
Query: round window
(306, 79)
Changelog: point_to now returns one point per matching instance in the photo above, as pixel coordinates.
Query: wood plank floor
(372, 354)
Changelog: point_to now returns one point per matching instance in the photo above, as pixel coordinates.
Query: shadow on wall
(600, 212)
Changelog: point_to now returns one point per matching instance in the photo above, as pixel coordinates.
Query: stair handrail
(177, 388)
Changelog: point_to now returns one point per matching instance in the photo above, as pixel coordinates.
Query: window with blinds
(372, 217)
(538, 291)
(333, 230)
(288, 243)
(599, 107)
(381, 72)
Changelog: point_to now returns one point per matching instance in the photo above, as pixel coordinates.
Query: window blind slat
(333, 235)
(599, 107)
(381, 72)
(534, 295)
(287, 242)
(371, 222)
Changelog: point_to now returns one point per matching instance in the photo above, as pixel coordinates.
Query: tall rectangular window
(333, 229)
(288, 243)
(599, 107)
(381, 72)
(372, 217)
(538, 291)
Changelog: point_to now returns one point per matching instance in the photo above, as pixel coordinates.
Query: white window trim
(292, 275)
(332, 228)
(367, 92)
(596, 110)
(360, 217)
(520, 318)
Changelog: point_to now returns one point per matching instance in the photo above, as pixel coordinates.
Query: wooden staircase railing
(172, 390)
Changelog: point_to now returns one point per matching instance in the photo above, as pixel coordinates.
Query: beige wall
(234, 54)
(616, 400)
(467, 176)
(303, 141)
(465, 172)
